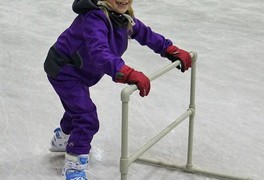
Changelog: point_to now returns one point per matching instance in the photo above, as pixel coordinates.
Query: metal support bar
(126, 160)
(158, 137)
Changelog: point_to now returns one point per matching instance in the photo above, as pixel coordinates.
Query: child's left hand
(173, 53)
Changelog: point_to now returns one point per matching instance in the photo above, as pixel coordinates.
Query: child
(91, 47)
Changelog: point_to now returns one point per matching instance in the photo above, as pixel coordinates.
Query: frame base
(190, 169)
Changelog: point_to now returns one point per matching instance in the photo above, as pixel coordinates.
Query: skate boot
(75, 166)
(59, 141)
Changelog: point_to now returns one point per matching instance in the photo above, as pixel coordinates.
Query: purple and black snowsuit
(91, 47)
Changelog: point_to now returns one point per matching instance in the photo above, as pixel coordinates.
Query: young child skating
(91, 47)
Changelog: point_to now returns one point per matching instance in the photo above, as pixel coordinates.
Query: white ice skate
(75, 166)
(59, 141)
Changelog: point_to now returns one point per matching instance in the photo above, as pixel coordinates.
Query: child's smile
(120, 6)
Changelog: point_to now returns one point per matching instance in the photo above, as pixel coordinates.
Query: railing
(126, 160)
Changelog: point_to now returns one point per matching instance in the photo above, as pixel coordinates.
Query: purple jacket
(93, 47)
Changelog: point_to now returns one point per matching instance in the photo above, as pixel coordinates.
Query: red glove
(173, 53)
(131, 76)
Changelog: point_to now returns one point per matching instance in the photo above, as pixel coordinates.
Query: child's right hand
(128, 75)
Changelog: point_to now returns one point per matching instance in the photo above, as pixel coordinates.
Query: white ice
(229, 136)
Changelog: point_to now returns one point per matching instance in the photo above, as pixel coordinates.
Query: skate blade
(54, 149)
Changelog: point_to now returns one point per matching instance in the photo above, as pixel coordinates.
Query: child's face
(120, 6)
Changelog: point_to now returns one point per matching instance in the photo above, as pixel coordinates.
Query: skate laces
(75, 165)
(60, 139)
(59, 134)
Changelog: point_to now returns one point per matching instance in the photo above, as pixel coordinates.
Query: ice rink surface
(229, 136)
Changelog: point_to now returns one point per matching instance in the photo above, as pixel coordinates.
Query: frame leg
(124, 142)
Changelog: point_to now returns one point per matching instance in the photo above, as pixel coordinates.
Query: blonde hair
(130, 12)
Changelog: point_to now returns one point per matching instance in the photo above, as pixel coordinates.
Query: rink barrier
(126, 160)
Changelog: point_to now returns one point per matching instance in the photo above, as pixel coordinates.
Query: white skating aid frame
(126, 160)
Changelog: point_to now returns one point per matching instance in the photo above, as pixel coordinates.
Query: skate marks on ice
(10, 159)
(228, 36)
(3, 118)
